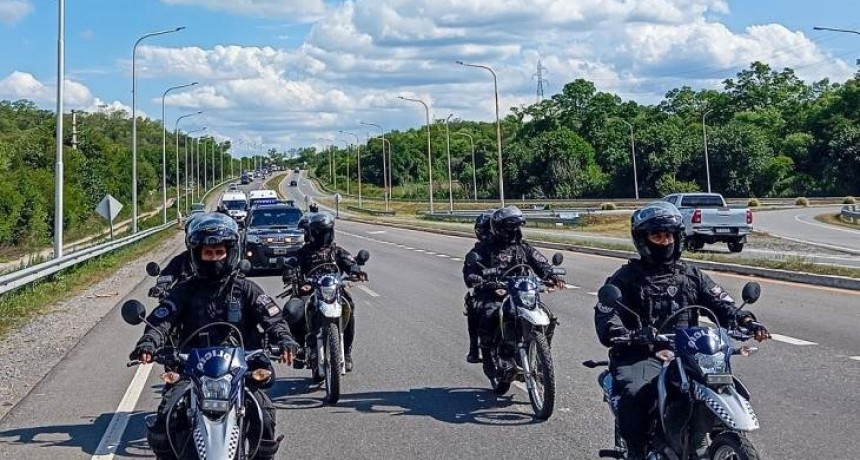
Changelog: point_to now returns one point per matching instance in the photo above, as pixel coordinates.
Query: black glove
(156, 291)
(141, 348)
(474, 280)
(288, 344)
(556, 281)
(356, 273)
(618, 331)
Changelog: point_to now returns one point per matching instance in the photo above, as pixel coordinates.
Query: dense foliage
(101, 164)
(768, 134)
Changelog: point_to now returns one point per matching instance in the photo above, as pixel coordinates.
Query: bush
(753, 203)
(848, 200)
(801, 201)
(608, 207)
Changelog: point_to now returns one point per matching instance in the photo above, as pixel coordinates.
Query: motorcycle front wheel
(541, 378)
(333, 363)
(731, 445)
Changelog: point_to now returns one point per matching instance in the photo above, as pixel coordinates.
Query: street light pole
(164, 154)
(176, 135)
(474, 165)
(429, 158)
(58, 168)
(450, 182)
(134, 123)
(632, 154)
(705, 142)
(358, 162)
(348, 152)
(385, 184)
(498, 126)
(187, 173)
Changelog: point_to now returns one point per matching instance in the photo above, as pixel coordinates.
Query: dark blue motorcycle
(702, 409)
(217, 405)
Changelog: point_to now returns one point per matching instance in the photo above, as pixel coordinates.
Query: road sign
(109, 207)
(337, 198)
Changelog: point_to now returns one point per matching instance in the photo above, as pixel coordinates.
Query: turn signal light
(665, 355)
(170, 377)
(305, 288)
(261, 375)
(500, 292)
(747, 351)
(250, 254)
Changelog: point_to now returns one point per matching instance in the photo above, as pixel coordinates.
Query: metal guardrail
(851, 213)
(555, 216)
(28, 275)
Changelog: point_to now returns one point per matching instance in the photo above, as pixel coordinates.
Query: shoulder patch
(161, 312)
(605, 309)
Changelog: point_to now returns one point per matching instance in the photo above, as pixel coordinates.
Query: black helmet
(188, 220)
(211, 229)
(320, 229)
(659, 216)
(506, 224)
(482, 225)
(314, 207)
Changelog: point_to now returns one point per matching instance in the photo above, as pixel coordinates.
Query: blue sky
(286, 73)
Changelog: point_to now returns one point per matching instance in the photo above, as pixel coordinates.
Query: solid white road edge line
(368, 291)
(855, 358)
(791, 340)
(113, 435)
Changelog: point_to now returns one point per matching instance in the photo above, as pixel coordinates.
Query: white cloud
(22, 85)
(12, 11)
(291, 9)
(358, 56)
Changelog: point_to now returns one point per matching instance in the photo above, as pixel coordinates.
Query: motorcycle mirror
(557, 258)
(751, 292)
(152, 269)
(244, 266)
(609, 295)
(133, 312)
(362, 257)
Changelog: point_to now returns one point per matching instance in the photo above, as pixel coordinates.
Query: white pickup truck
(708, 220)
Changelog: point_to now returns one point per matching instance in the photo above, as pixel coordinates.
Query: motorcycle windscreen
(215, 362)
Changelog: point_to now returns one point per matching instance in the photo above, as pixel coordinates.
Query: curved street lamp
(498, 126)
(134, 123)
(164, 153)
(358, 161)
(386, 184)
(429, 158)
(176, 135)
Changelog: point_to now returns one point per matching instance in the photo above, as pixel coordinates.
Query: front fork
(321, 339)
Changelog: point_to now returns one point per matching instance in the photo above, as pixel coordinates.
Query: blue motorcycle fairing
(215, 362)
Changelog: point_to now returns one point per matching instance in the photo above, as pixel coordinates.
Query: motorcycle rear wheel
(332, 363)
(542, 376)
(731, 445)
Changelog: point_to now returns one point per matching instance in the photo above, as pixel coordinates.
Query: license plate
(723, 230)
(279, 251)
(717, 380)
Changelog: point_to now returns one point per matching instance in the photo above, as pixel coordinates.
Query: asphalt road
(412, 394)
(800, 225)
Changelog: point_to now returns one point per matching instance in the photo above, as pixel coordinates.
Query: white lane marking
(855, 358)
(443, 255)
(409, 248)
(571, 286)
(110, 441)
(830, 227)
(456, 259)
(592, 293)
(791, 340)
(368, 291)
(420, 250)
(376, 232)
(430, 253)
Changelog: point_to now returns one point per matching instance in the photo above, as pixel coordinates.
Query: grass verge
(796, 264)
(835, 219)
(19, 306)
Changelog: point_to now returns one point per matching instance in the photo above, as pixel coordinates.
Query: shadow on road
(450, 405)
(84, 436)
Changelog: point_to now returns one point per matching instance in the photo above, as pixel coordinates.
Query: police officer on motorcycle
(655, 286)
(504, 249)
(320, 248)
(217, 292)
(482, 233)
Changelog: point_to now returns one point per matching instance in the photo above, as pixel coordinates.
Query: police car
(271, 231)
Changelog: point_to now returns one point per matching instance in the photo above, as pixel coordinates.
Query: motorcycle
(703, 410)
(217, 406)
(327, 312)
(518, 289)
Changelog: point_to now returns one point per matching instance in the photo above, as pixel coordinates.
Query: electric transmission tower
(540, 80)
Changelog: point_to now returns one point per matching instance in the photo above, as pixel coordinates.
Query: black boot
(347, 361)
(472, 322)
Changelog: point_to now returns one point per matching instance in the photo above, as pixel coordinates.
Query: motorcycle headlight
(216, 388)
(328, 293)
(252, 239)
(527, 299)
(712, 364)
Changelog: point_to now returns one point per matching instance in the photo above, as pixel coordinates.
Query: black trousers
(295, 313)
(635, 385)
